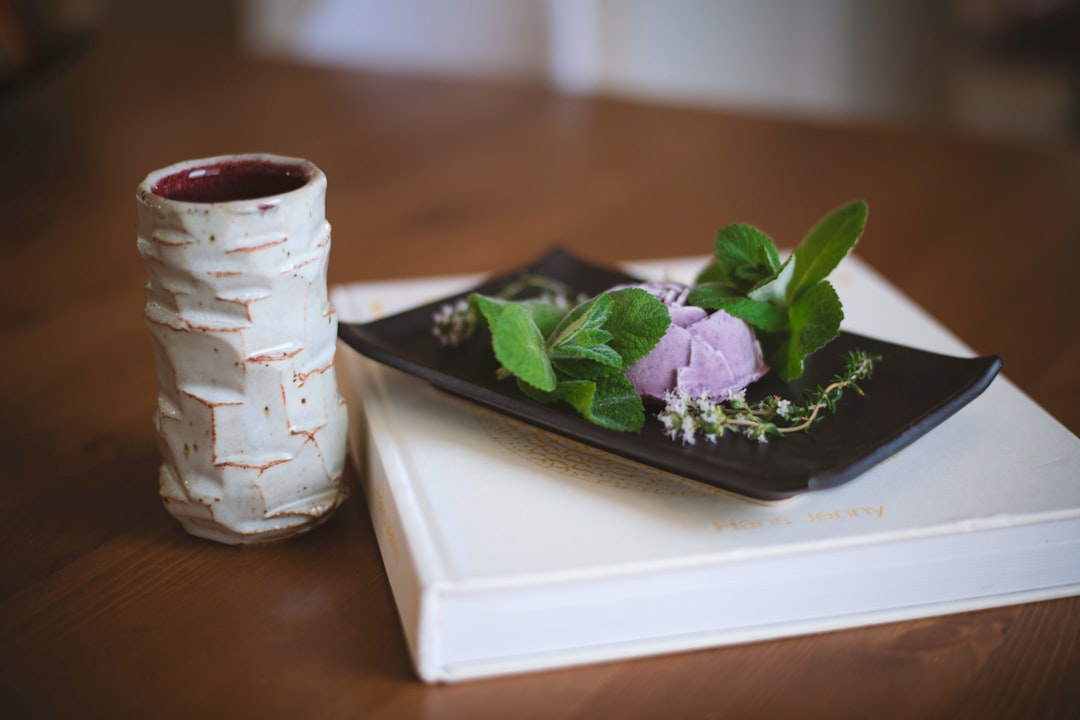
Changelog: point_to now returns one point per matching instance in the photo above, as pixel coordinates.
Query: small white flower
(688, 429)
(783, 408)
(705, 404)
(677, 402)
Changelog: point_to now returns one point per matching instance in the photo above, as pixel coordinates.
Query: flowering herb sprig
(455, 323)
(685, 417)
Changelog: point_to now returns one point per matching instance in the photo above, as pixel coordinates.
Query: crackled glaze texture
(251, 424)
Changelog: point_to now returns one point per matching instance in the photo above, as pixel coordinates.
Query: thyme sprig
(684, 417)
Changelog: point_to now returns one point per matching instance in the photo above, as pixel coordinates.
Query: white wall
(447, 37)
(861, 58)
(831, 57)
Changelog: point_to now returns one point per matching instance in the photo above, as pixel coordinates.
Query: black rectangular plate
(912, 391)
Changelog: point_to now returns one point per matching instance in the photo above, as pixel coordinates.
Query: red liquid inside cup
(232, 180)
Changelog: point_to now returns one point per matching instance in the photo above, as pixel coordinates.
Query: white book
(510, 549)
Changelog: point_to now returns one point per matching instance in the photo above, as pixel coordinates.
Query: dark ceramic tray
(911, 392)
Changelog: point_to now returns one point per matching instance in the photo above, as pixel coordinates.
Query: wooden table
(108, 609)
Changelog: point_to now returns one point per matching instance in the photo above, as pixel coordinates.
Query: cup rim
(312, 174)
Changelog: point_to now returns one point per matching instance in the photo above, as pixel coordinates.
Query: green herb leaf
(711, 295)
(815, 321)
(581, 323)
(617, 405)
(546, 315)
(609, 402)
(519, 346)
(827, 243)
(637, 323)
(764, 316)
(581, 369)
(491, 308)
(595, 353)
(744, 257)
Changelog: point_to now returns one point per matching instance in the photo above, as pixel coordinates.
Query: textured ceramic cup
(250, 422)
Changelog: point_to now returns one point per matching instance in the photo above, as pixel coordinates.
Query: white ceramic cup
(250, 422)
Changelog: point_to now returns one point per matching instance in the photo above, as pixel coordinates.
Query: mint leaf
(815, 320)
(582, 368)
(582, 321)
(599, 353)
(519, 346)
(711, 295)
(578, 393)
(614, 329)
(744, 257)
(546, 315)
(816, 317)
(545, 396)
(637, 322)
(491, 308)
(616, 405)
(827, 243)
(609, 402)
(764, 316)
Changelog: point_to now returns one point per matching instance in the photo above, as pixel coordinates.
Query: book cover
(510, 549)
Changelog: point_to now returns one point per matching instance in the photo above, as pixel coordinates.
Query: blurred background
(1001, 67)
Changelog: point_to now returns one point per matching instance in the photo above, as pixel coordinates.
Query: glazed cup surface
(250, 422)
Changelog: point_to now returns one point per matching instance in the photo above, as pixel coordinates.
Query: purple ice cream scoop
(700, 353)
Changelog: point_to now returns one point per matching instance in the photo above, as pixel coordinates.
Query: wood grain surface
(107, 609)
